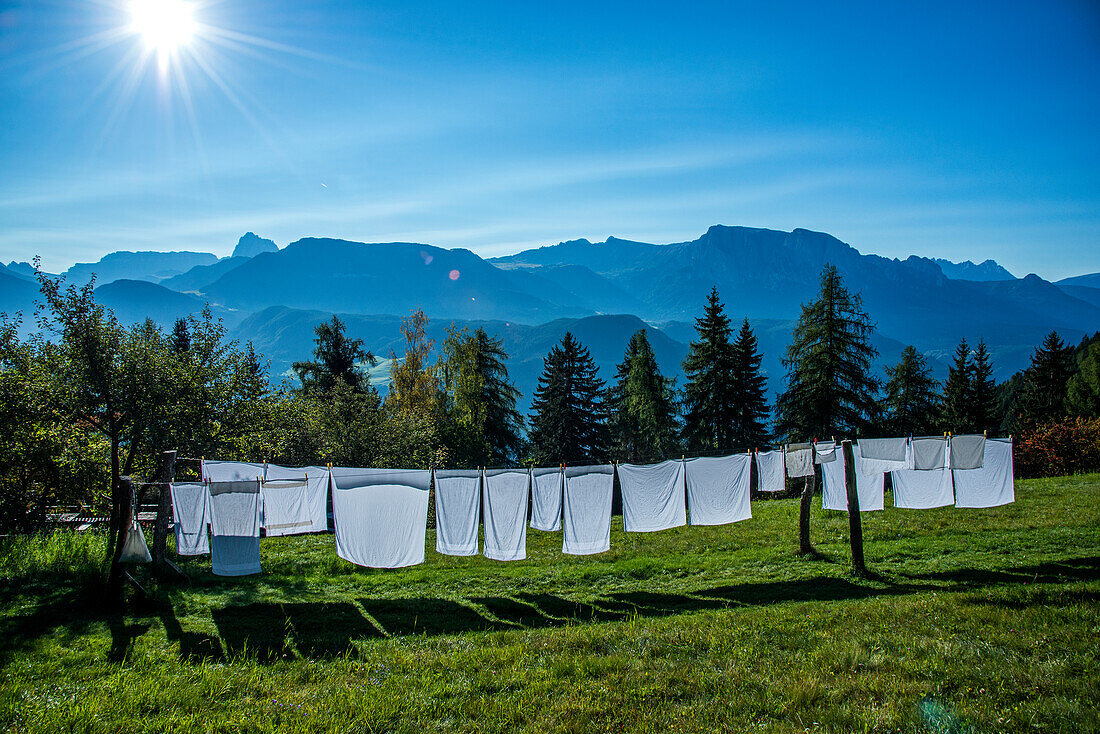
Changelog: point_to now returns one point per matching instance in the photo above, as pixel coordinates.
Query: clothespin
(985, 434)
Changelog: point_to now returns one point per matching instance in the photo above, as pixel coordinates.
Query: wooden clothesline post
(855, 522)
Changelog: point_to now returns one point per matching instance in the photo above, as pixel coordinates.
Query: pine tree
(337, 358)
(749, 388)
(481, 399)
(641, 405)
(957, 392)
(709, 401)
(984, 408)
(1043, 398)
(567, 424)
(830, 390)
(911, 396)
(1083, 389)
(181, 337)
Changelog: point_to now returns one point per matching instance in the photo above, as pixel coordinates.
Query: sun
(164, 25)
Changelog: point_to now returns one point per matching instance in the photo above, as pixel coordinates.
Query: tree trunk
(126, 495)
(855, 522)
(113, 524)
(164, 511)
(804, 546)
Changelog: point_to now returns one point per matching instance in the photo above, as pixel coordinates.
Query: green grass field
(979, 620)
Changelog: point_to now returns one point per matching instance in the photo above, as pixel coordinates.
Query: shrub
(1068, 446)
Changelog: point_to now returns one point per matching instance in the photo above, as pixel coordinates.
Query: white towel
(967, 452)
(834, 494)
(231, 471)
(457, 511)
(928, 453)
(235, 528)
(505, 495)
(800, 459)
(381, 515)
(991, 485)
(870, 465)
(718, 489)
(654, 496)
(825, 452)
(546, 490)
(586, 509)
(302, 511)
(769, 467)
(190, 516)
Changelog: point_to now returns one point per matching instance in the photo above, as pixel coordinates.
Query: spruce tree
(641, 405)
(709, 401)
(749, 387)
(984, 407)
(1083, 389)
(181, 337)
(830, 389)
(481, 399)
(957, 392)
(336, 358)
(567, 424)
(1043, 397)
(911, 396)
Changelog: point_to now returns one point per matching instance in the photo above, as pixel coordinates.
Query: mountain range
(601, 291)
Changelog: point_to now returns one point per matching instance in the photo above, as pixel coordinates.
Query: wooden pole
(162, 565)
(855, 522)
(804, 546)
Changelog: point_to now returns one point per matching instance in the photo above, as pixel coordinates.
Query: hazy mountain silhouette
(1092, 280)
(200, 276)
(354, 277)
(968, 270)
(150, 266)
(133, 301)
(251, 244)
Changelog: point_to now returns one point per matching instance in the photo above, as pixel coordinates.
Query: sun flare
(164, 25)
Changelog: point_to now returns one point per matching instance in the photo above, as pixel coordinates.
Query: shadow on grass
(271, 631)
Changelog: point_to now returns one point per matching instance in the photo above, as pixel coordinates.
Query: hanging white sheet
(769, 467)
(718, 489)
(381, 515)
(586, 509)
(190, 516)
(546, 491)
(231, 471)
(504, 495)
(834, 495)
(654, 496)
(457, 511)
(992, 485)
(922, 490)
(290, 510)
(235, 528)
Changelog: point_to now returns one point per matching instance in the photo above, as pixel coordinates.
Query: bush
(1069, 446)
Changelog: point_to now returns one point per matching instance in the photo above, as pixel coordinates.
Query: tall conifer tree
(911, 397)
(983, 392)
(336, 357)
(709, 401)
(750, 397)
(958, 390)
(481, 398)
(830, 389)
(641, 405)
(567, 424)
(1043, 398)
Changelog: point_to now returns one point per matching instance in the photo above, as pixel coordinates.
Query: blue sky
(957, 130)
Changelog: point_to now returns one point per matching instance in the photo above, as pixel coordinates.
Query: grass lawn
(980, 620)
